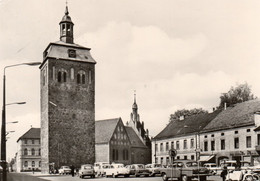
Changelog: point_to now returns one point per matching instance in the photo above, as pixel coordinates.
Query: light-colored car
(245, 165)
(64, 170)
(101, 171)
(97, 165)
(213, 168)
(153, 168)
(137, 170)
(117, 169)
(86, 170)
(230, 164)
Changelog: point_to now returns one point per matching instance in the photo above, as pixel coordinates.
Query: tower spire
(66, 10)
(134, 96)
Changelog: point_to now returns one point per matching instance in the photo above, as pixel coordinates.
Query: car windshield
(66, 167)
(140, 166)
(192, 164)
(157, 166)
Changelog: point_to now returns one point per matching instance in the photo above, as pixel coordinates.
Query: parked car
(153, 168)
(86, 170)
(137, 170)
(230, 164)
(116, 170)
(101, 171)
(64, 170)
(245, 165)
(97, 165)
(213, 169)
(185, 170)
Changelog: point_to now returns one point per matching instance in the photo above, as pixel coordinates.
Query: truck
(184, 170)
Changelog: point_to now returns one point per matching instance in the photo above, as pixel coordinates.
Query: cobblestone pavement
(70, 178)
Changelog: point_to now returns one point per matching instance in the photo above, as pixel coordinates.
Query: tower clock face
(72, 53)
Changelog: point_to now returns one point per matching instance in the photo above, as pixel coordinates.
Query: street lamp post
(3, 130)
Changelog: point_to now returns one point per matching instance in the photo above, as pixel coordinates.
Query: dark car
(137, 170)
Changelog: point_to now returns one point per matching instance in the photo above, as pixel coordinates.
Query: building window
(156, 160)
(248, 130)
(167, 146)
(205, 136)
(81, 77)
(25, 151)
(212, 135)
(222, 134)
(248, 141)
(185, 144)
(59, 76)
(192, 157)
(178, 157)
(33, 151)
(192, 143)
(185, 157)
(39, 151)
(177, 145)
(172, 145)
(89, 77)
(205, 146)
(156, 147)
(236, 143)
(33, 164)
(161, 147)
(72, 53)
(222, 144)
(32, 141)
(236, 132)
(161, 160)
(64, 76)
(25, 142)
(26, 164)
(40, 163)
(167, 160)
(212, 145)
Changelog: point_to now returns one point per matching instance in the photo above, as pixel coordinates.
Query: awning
(206, 158)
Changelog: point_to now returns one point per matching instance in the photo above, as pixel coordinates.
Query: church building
(67, 101)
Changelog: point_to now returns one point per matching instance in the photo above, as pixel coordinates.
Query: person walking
(72, 170)
(224, 173)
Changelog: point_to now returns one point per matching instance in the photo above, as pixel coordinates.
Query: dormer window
(72, 53)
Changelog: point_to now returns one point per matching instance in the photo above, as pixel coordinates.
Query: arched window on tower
(81, 77)
(63, 29)
(68, 29)
(78, 78)
(64, 77)
(59, 76)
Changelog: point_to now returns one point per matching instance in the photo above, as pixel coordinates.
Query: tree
(236, 95)
(185, 112)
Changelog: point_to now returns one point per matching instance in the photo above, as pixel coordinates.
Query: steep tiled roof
(135, 140)
(33, 133)
(190, 125)
(241, 114)
(104, 129)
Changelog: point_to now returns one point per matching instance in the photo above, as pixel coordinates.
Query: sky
(176, 54)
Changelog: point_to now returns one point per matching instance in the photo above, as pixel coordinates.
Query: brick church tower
(67, 101)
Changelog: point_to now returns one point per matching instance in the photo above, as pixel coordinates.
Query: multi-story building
(232, 133)
(28, 157)
(181, 135)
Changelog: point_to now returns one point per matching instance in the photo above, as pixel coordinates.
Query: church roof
(33, 133)
(190, 125)
(133, 137)
(104, 129)
(239, 115)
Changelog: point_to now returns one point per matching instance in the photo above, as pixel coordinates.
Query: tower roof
(33, 133)
(66, 17)
(135, 105)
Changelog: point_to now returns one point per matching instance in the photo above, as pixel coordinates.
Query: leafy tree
(185, 112)
(236, 95)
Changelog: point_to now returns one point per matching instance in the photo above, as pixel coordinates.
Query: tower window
(78, 78)
(53, 73)
(89, 77)
(64, 76)
(63, 29)
(81, 77)
(59, 76)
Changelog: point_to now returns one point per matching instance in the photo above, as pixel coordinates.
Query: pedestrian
(72, 170)
(224, 173)
(33, 170)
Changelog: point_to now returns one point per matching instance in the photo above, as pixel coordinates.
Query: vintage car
(185, 170)
(213, 169)
(64, 170)
(137, 170)
(97, 165)
(117, 169)
(86, 170)
(230, 164)
(153, 168)
(101, 171)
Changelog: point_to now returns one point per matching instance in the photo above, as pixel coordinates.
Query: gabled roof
(190, 125)
(239, 115)
(104, 129)
(33, 133)
(133, 137)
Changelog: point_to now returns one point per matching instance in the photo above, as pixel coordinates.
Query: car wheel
(184, 178)
(164, 177)
(249, 178)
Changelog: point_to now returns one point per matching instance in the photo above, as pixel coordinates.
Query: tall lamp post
(3, 130)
